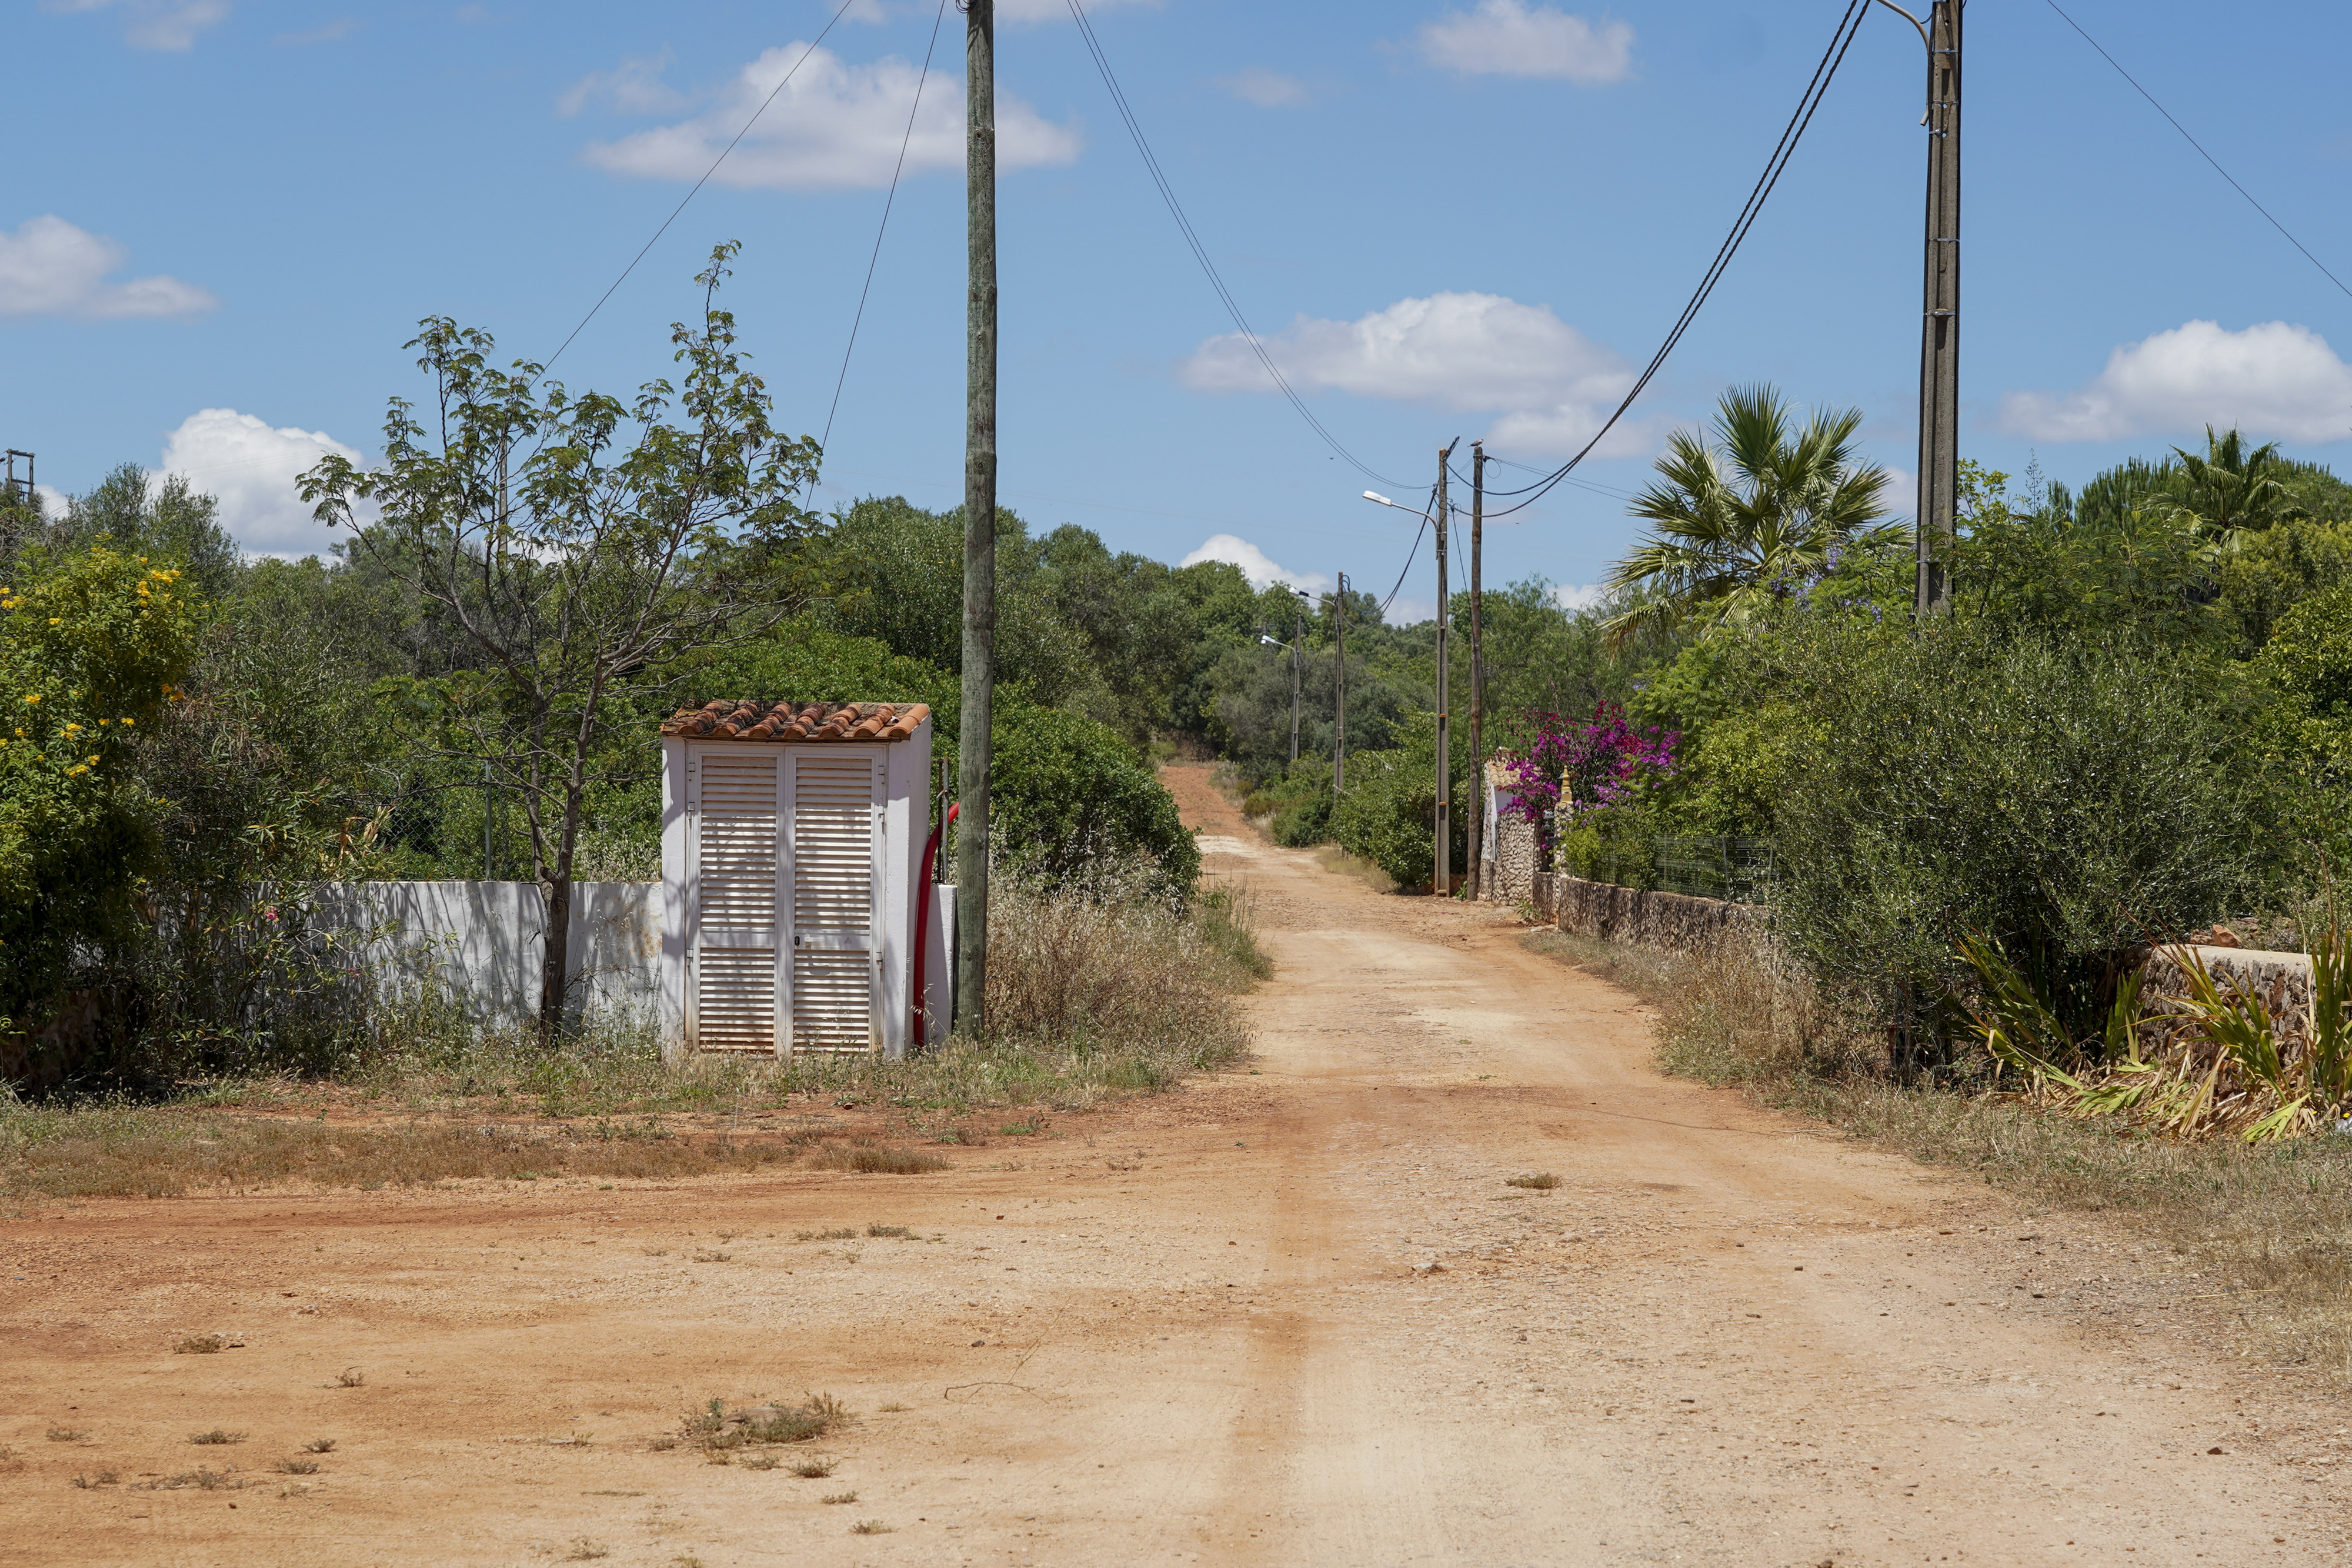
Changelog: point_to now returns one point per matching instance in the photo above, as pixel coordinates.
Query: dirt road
(1291, 1317)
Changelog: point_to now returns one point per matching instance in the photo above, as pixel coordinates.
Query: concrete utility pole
(1442, 881)
(979, 517)
(1340, 674)
(1940, 349)
(1298, 664)
(1477, 672)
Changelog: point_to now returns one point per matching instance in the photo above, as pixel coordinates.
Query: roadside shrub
(2069, 801)
(1300, 803)
(1388, 814)
(1067, 791)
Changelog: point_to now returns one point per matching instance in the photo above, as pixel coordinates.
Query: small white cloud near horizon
(1462, 352)
(1267, 89)
(1509, 37)
(836, 126)
(1404, 610)
(170, 26)
(2272, 379)
(250, 469)
(1575, 596)
(50, 268)
(1261, 572)
(633, 87)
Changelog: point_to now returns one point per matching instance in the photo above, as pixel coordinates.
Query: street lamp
(1298, 638)
(1939, 346)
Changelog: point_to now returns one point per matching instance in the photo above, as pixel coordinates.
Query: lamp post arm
(1915, 21)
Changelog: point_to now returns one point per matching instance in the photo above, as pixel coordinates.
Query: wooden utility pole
(1477, 672)
(1442, 880)
(1339, 675)
(1940, 349)
(979, 517)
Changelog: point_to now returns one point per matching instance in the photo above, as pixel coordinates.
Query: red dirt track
(1287, 1318)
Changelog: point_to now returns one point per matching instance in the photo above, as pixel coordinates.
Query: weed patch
(815, 1470)
(1535, 1181)
(718, 1431)
(216, 1437)
(868, 1157)
(297, 1466)
(68, 1435)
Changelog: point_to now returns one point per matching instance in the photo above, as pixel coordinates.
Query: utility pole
(1477, 672)
(1340, 674)
(979, 516)
(1442, 880)
(1297, 660)
(1940, 349)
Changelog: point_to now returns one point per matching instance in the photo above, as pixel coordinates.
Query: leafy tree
(92, 642)
(1740, 518)
(584, 549)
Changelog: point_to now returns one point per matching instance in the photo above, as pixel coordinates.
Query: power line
(1200, 252)
(887, 201)
(2201, 148)
(690, 195)
(1849, 27)
(1412, 556)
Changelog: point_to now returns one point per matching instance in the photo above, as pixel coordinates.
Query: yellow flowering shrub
(92, 643)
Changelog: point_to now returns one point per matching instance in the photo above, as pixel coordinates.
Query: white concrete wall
(482, 942)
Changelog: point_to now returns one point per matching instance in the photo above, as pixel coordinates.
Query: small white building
(793, 838)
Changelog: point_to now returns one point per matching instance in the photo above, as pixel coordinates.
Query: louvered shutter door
(837, 993)
(735, 901)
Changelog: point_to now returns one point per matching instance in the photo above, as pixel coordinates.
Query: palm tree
(1743, 515)
(2231, 492)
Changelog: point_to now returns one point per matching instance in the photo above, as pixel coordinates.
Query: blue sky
(1450, 217)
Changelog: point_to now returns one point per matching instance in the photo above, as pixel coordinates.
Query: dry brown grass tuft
(2270, 1226)
(69, 1435)
(872, 1158)
(1535, 1181)
(297, 1466)
(216, 1437)
(815, 1469)
(716, 1430)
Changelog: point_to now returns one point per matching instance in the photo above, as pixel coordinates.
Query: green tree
(93, 644)
(2231, 493)
(584, 549)
(1744, 517)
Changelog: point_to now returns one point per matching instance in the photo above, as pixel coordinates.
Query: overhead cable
(1849, 27)
(887, 201)
(1201, 253)
(2200, 146)
(690, 195)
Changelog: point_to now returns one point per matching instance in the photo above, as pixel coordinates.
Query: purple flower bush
(1592, 764)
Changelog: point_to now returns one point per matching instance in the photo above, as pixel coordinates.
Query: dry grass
(815, 1469)
(838, 1498)
(2270, 1226)
(69, 1435)
(350, 1378)
(718, 1431)
(869, 1527)
(297, 1466)
(201, 1344)
(1535, 1181)
(216, 1437)
(872, 1158)
(1333, 858)
(319, 1446)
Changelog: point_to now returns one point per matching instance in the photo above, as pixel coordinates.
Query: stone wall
(1511, 873)
(1670, 921)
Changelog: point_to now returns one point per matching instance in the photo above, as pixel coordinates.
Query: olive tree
(584, 549)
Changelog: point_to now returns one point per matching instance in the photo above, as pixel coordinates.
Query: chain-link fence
(1715, 866)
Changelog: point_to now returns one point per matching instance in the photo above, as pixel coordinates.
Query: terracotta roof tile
(742, 720)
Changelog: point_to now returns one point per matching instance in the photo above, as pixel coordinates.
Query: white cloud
(1261, 572)
(1575, 596)
(169, 24)
(50, 267)
(1404, 610)
(1055, 10)
(1458, 351)
(835, 126)
(250, 469)
(1508, 37)
(55, 503)
(633, 87)
(1267, 89)
(2271, 379)
(1551, 383)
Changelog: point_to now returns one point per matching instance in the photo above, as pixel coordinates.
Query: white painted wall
(482, 942)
